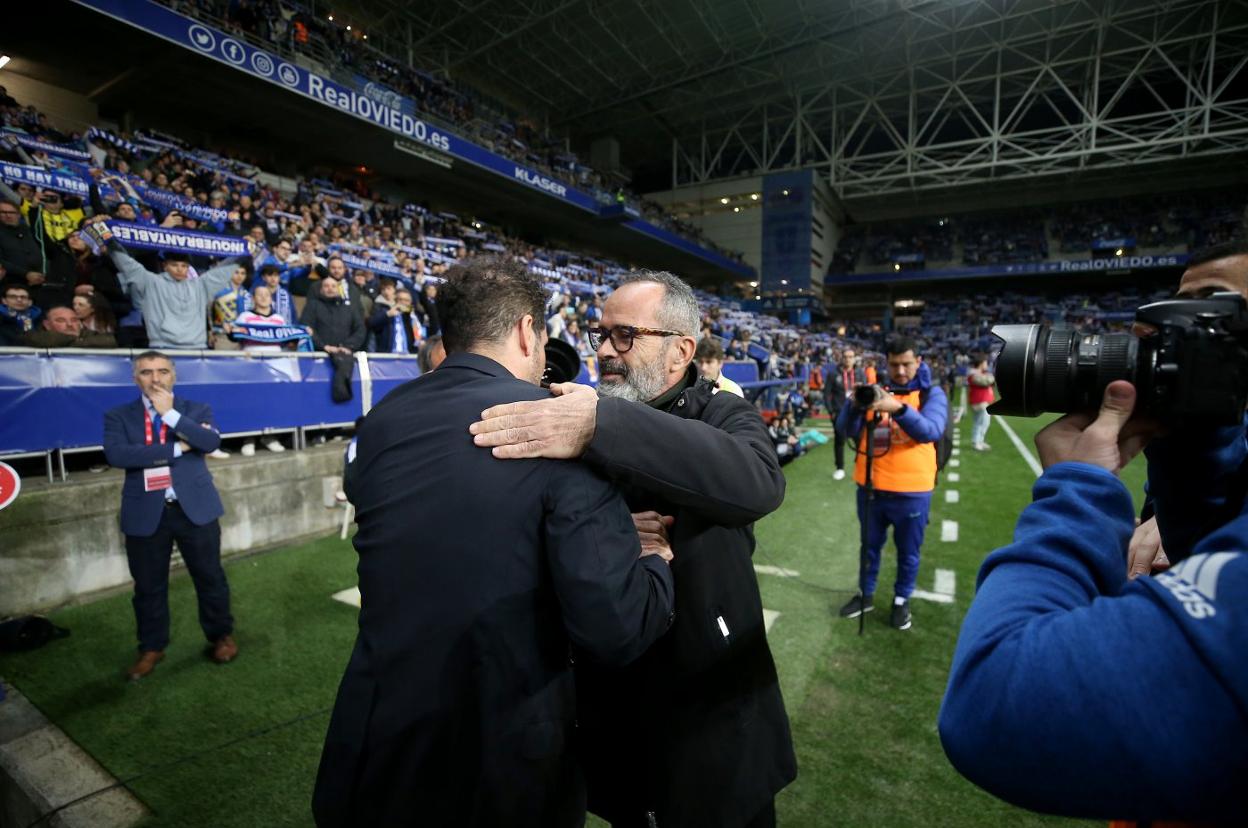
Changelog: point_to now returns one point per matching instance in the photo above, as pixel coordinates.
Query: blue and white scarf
(273, 334)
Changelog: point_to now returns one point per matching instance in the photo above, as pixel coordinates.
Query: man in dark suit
(838, 386)
(168, 495)
(477, 581)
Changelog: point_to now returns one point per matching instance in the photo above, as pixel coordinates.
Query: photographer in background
(1076, 692)
(909, 418)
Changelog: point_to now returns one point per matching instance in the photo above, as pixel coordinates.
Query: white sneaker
(274, 445)
(839, 475)
(248, 449)
(218, 454)
(97, 468)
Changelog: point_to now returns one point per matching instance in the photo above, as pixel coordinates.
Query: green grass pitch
(204, 745)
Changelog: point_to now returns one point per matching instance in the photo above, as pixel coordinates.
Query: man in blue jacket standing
(168, 495)
(908, 420)
(1075, 691)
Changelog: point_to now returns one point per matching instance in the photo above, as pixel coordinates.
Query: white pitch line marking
(955, 451)
(954, 463)
(769, 618)
(348, 596)
(1018, 444)
(944, 590)
(764, 569)
(951, 495)
(924, 595)
(949, 531)
(953, 477)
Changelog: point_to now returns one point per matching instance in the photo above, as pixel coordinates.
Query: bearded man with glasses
(695, 731)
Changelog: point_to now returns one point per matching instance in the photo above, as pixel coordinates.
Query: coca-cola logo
(382, 95)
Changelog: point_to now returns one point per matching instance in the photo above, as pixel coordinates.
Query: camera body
(866, 396)
(1190, 363)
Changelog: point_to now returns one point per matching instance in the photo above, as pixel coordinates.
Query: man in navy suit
(479, 580)
(168, 495)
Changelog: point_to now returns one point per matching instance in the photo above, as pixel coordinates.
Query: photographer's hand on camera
(1145, 553)
(1109, 440)
(886, 404)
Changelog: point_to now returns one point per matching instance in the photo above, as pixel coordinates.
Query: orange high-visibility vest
(907, 466)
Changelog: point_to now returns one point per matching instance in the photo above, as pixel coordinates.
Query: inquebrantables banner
(181, 241)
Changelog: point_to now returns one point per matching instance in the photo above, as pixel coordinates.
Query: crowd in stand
(329, 269)
(1165, 223)
(290, 27)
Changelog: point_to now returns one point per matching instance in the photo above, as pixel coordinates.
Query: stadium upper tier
(1157, 225)
(291, 28)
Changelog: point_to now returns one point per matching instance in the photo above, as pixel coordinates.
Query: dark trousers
(838, 445)
(907, 513)
(149, 566)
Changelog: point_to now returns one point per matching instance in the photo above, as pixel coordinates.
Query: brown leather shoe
(148, 659)
(224, 649)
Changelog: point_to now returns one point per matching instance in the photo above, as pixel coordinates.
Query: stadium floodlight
(736, 209)
(784, 281)
(753, 284)
(896, 267)
(1118, 252)
(724, 200)
(348, 27)
(786, 192)
(4, 61)
(331, 18)
(753, 196)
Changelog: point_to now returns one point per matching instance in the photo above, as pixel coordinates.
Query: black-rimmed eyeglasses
(622, 336)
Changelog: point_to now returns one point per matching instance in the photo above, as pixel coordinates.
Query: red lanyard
(147, 429)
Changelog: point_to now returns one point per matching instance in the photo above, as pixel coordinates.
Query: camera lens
(864, 395)
(1041, 369)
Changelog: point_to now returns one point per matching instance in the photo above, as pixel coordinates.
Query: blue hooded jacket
(1076, 692)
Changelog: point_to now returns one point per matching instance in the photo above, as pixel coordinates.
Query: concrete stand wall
(60, 541)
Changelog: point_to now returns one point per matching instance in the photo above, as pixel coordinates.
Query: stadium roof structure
(879, 95)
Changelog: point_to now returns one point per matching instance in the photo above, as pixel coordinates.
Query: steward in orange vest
(907, 424)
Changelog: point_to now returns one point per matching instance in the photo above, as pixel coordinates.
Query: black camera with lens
(866, 396)
(1189, 361)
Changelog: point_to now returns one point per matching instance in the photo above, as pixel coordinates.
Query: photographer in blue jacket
(1075, 691)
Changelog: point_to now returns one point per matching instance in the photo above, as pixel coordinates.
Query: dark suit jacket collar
(475, 362)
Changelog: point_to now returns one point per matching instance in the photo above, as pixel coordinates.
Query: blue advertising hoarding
(1102, 265)
(371, 102)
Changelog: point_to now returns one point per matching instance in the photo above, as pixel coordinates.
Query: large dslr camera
(1189, 362)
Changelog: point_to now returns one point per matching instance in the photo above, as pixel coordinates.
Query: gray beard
(639, 384)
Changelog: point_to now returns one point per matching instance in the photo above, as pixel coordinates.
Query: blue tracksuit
(1074, 691)
(906, 512)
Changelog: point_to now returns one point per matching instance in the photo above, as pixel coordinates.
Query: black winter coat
(458, 705)
(334, 322)
(696, 730)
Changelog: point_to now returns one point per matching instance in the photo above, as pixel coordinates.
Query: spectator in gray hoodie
(174, 306)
